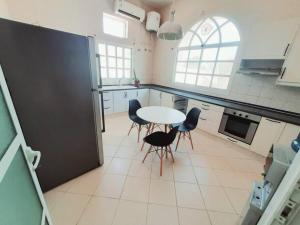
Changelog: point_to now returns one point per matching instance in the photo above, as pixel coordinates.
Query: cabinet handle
(273, 121)
(137, 94)
(202, 119)
(234, 141)
(286, 49)
(283, 72)
(205, 105)
(204, 109)
(106, 100)
(107, 108)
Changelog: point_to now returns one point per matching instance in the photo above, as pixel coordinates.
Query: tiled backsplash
(262, 90)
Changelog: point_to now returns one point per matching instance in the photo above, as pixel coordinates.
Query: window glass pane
(185, 42)
(204, 81)
(127, 64)
(209, 54)
(190, 79)
(103, 61)
(206, 68)
(220, 82)
(111, 50)
(179, 77)
(224, 68)
(120, 63)
(102, 49)
(195, 55)
(192, 67)
(206, 29)
(195, 27)
(229, 33)
(114, 26)
(183, 55)
(220, 20)
(181, 67)
(196, 41)
(111, 62)
(119, 52)
(120, 73)
(127, 53)
(214, 39)
(112, 73)
(227, 53)
(127, 73)
(103, 73)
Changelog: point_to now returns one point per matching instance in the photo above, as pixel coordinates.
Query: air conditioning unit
(130, 10)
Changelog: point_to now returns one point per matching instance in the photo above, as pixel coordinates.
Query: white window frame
(118, 19)
(116, 57)
(202, 47)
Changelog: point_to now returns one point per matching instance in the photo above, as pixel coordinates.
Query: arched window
(207, 52)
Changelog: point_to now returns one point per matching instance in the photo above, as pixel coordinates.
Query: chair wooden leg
(132, 125)
(139, 132)
(171, 153)
(190, 137)
(161, 160)
(178, 141)
(166, 128)
(147, 153)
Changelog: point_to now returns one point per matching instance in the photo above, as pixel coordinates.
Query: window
(115, 61)
(115, 26)
(207, 53)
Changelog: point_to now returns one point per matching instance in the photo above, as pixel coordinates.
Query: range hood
(268, 67)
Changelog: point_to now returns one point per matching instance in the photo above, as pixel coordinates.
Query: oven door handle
(234, 141)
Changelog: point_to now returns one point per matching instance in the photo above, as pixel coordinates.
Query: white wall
(84, 17)
(4, 12)
(253, 18)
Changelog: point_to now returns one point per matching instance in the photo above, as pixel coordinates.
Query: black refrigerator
(52, 78)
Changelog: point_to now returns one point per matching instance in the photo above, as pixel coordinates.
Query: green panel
(19, 201)
(7, 130)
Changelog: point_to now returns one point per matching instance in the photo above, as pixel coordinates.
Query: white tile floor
(207, 186)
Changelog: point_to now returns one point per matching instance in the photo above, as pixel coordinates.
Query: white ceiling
(157, 3)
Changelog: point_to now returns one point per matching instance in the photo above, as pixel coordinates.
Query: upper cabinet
(268, 40)
(290, 75)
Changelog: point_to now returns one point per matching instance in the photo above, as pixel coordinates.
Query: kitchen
(235, 61)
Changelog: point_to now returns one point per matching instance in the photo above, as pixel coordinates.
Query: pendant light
(170, 30)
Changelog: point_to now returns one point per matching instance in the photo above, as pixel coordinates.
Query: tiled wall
(262, 90)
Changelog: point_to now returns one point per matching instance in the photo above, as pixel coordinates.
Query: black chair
(188, 125)
(134, 105)
(160, 142)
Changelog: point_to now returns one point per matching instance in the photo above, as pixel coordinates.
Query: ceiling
(157, 3)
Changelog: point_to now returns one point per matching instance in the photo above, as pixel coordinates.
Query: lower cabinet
(167, 100)
(143, 97)
(155, 98)
(268, 133)
(121, 99)
(210, 116)
(289, 133)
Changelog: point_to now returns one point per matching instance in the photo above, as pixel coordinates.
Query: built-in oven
(239, 125)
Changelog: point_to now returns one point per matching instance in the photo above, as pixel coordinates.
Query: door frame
(19, 141)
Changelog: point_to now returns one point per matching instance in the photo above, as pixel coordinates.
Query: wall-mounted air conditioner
(130, 10)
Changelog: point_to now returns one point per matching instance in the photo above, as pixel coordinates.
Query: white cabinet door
(167, 100)
(290, 75)
(268, 133)
(155, 98)
(143, 97)
(268, 40)
(119, 101)
(289, 133)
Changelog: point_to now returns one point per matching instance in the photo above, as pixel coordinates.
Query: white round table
(161, 115)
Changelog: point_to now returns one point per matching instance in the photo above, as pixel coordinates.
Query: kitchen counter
(285, 116)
